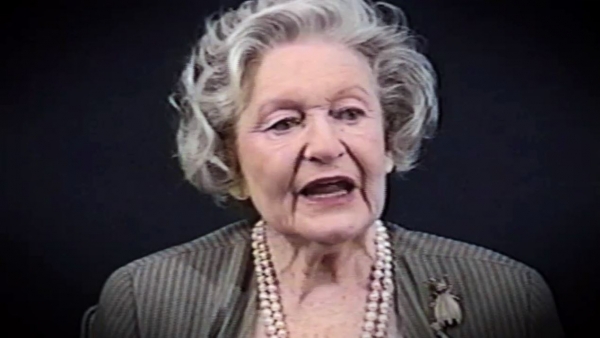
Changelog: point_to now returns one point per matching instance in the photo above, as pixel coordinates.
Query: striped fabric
(206, 288)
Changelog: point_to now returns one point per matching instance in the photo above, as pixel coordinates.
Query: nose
(323, 144)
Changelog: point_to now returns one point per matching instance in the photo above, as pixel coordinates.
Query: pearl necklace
(378, 302)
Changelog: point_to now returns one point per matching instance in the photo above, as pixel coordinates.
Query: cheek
(266, 165)
(368, 146)
(373, 161)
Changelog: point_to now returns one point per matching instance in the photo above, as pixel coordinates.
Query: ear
(239, 191)
(389, 162)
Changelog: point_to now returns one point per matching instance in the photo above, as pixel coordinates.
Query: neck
(303, 267)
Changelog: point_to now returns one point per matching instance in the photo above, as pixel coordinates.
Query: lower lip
(330, 200)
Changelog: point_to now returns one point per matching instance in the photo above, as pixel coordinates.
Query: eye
(285, 124)
(349, 114)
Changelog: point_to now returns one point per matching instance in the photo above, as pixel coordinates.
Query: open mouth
(329, 187)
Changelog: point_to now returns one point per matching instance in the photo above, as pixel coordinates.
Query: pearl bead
(263, 295)
(371, 316)
(266, 312)
(382, 318)
(374, 295)
(369, 326)
(378, 274)
(271, 288)
(371, 306)
(271, 329)
(366, 335)
(278, 315)
(265, 304)
(282, 333)
(382, 310)
(269, 320)
(275, 306)
(273, 297)
(279, 324)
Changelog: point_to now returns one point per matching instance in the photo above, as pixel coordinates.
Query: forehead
(309, 70)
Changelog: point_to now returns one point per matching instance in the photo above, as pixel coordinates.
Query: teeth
(329, 195)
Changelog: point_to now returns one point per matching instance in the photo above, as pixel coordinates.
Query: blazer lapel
(411, 291)
(250, 313)
(240, 306)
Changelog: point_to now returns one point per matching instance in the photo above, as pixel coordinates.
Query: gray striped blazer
(206, 288)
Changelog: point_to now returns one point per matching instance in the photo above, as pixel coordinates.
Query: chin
(333, 229)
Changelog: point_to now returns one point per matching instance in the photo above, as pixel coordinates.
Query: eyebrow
(286, 103)
(280, 103)
(347, 90)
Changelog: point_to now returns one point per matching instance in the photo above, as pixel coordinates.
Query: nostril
(322, 157)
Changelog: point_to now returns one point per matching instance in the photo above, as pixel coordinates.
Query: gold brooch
(446, 309)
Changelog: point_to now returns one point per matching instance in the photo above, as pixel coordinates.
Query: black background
(90, 181)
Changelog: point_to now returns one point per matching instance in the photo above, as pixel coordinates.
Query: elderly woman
(298, 110)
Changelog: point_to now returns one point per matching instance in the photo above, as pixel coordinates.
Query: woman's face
(310, 142)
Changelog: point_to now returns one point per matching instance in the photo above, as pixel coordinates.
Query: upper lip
(328, 179)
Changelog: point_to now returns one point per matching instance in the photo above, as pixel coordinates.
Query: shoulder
(427, 247)
(169, 284)
(207, 268)
(200, 254)
(490, 284)
(483, 276)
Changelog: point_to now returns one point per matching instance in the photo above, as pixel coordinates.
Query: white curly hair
(214, 84)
